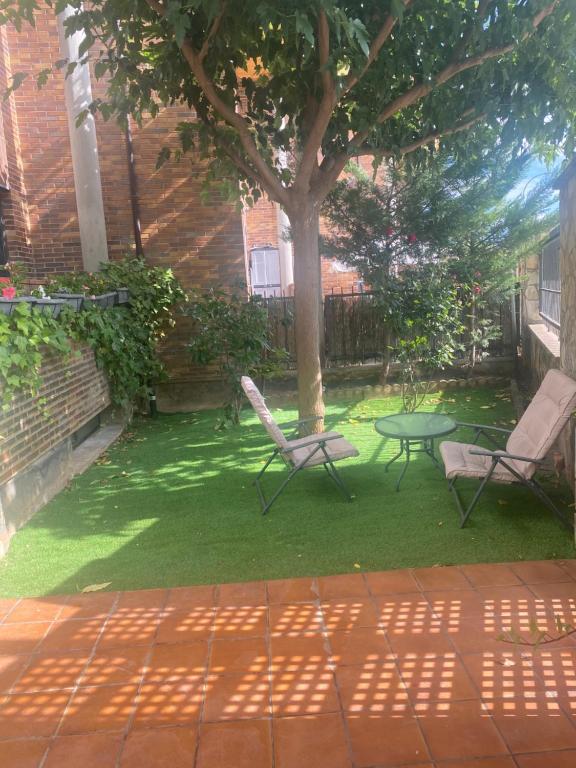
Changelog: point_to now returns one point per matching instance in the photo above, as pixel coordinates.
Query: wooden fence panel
(354, 332)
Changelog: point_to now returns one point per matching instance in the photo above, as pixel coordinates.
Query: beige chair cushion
(257, 402)
(543, 420)
(339, 448)
(534, 435)
(459, 462)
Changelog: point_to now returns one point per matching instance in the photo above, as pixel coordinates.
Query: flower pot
(74, 300)
(104, 301)
(123, 295)
(32, 300)
(50, 307)
(7, 305)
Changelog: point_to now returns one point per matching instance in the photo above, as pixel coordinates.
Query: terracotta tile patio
(378, 670)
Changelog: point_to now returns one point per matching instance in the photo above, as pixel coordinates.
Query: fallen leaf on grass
(502, 502)
(96, 587)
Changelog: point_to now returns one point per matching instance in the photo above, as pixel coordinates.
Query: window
(265, 271)
(549, 283)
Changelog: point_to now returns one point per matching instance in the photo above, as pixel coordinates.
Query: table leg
(430, 451)
(393, 459)
(405, 467)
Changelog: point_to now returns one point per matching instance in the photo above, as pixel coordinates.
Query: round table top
(415, 426)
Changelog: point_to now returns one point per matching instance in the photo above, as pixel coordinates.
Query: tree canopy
(326, 80)
(283, 93)
(477, 216)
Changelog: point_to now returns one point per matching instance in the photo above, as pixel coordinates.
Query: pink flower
(9, 293)
(477, 274)
(412, 238)
(477, 289)
(389, 232)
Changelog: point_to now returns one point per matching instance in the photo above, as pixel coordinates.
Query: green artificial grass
(172, 503)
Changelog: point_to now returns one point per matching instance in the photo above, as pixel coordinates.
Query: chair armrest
(312, 440)
(485, 427)
(504, 455)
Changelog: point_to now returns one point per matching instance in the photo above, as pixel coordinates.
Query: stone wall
(567, 185)
(540, 353)
(36, 432)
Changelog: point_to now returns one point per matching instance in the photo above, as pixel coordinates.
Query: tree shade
(283, 92)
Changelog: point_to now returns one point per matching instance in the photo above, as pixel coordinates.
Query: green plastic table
(416, 433)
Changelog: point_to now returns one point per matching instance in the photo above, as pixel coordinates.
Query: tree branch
(333, 171)
(373, 51)
(269, 179)
(212, 32)
(467, 36)
(418, 92)
(428, 139)
(323, 113)
(238, 161)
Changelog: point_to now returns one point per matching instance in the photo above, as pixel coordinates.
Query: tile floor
(401, 668)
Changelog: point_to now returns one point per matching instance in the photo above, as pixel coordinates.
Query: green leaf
(17, 80)
(304, 27)
(397, 8)
(163, 157)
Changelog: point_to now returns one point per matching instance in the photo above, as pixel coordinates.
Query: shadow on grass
(176, 505)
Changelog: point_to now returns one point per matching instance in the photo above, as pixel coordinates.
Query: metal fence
(549, 282)
(354, 332)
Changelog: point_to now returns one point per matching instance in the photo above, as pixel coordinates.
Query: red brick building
(68, 195)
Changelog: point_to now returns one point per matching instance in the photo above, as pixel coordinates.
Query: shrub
(232, 331)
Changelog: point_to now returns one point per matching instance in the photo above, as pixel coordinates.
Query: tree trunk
(304, 220)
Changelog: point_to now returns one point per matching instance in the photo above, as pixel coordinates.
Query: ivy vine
(124, 338)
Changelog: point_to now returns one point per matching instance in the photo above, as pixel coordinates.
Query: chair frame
(500, 457)
(320, 442)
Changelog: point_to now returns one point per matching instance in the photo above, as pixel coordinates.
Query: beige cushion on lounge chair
(533, 437)
(458, 462)
(321, 449)
(337, 448)
(259, 405)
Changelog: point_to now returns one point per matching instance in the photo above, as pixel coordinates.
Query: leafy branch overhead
(322, 81)
(283, 92)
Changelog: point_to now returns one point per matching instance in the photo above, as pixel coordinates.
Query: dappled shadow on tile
(345, 673)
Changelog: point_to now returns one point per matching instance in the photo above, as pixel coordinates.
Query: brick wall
(14, 202)
(75, 391)
(44, 149)
(262, 229)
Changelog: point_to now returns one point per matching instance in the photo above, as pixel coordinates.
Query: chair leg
(328, 466)
(263, 502)
(267, 504)
(332, 471)
(541, 494)
(465, 514)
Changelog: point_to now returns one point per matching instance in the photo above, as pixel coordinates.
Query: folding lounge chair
(526, 449)
(312, 451)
